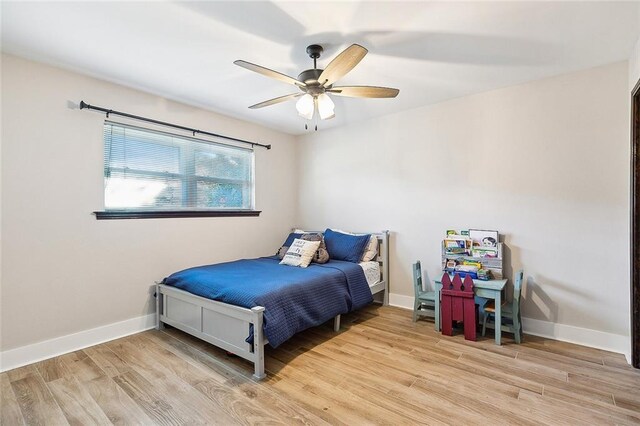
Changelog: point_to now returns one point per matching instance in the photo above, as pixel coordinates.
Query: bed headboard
(383, 260)
(383, 255)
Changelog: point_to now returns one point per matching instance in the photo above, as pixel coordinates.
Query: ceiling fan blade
(342, 64)
(276, 100)
(364, 91)
(269, 73)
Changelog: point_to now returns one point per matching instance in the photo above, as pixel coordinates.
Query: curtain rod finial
(83, 105)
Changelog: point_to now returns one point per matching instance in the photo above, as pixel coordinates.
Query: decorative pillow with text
(300, 253)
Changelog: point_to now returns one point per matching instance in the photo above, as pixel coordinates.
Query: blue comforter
(294, 298)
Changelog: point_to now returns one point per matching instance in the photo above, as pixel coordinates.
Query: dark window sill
(126, 214)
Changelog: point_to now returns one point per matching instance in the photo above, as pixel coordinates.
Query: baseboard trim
(578, 335)
(566, 333)
(29, 354)
(401, 301)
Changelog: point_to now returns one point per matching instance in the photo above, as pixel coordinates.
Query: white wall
(634, 62)
(63, 271)
(546, 163)
(634, 65)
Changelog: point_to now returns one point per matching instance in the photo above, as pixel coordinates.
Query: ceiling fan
(316, 84)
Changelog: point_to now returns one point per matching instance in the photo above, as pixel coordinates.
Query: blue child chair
(510, 311)
(425, 301)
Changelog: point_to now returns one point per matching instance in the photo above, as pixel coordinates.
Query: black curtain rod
(84, 105)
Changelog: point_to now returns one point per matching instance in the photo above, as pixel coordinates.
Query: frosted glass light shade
(305, 106)
(325, 106)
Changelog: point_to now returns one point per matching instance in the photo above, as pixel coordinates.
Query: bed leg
(159, 307)
(258, 343)
(336, 323)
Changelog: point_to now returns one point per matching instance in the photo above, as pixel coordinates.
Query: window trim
(163, 214)
(145, 213)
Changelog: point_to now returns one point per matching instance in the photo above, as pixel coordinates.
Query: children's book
(484, 252)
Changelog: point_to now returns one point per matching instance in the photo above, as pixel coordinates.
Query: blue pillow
(292, 236)
(287, 243)
(344, 246)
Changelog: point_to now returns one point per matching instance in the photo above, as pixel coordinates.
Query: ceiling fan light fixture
(306, 106)
(325, 107)
(313, 83)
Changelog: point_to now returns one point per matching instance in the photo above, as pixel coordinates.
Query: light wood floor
(381, 368)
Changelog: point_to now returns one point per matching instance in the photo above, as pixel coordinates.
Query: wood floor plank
(76, 403)
(545, 413)
(603, 383)
(582, 403)
(418, 410)
(152, 403)
(342, 405)
(617, 361)
(551, 353)
(37, 405)
(9, 408)
(22, 372)
(52, 369)
(107, 360)
(358, 369)
(622, 395)
(318, 405)
(479, 408)
(558, 409)
(76, 364)
(596, 371)
(280, 359)
(465, 346)
(519, 365)
(626, 400)
(119, 408)
(82, 366)
(567, 349)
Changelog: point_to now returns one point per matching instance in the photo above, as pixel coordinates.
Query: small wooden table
(491, 289)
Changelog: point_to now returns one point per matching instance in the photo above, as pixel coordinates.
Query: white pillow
(300, 253)
(370, 251)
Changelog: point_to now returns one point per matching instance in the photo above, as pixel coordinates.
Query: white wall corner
(567, 333)
(29, 354)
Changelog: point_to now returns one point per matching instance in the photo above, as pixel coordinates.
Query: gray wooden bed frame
(227, 326)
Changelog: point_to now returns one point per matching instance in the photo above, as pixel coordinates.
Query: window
(151, 171)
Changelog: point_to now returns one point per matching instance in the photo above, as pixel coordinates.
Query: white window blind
(156, 171)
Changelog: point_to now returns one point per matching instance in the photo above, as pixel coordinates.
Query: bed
(239, 329)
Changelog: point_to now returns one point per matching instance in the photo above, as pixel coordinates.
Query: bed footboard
(223, 325)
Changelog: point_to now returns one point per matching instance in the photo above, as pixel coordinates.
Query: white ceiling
(431, 51)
